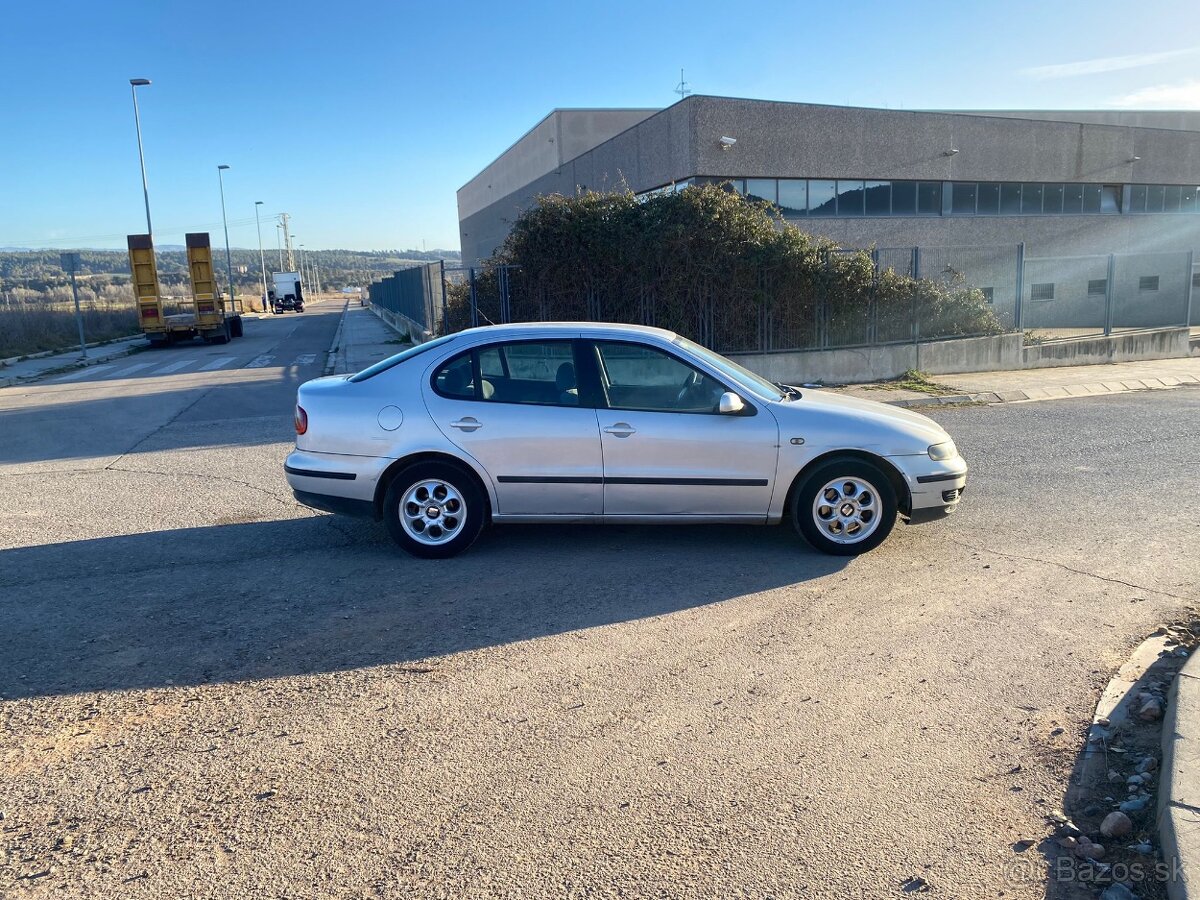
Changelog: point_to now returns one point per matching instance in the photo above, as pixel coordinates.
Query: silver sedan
(583, 422)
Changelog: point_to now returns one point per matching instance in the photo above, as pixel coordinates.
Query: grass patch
(27, 329)
(913, 380)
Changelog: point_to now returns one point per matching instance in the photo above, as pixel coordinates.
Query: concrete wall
(1180, 119)
(988, 354)
(402, 324)
(859, 364)
(1164, 344)
(656, 151)
(561, 136)
(812, 141)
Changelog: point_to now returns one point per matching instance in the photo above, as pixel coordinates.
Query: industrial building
(1063, 184)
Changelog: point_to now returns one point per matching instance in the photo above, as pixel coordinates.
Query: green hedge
(710, 265)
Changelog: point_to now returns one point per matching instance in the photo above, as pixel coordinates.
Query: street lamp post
(134, 84)
(279, 243)
(262, 260)
(228, 259)
(303, 274)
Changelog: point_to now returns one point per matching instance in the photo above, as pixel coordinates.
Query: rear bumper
(324, 480)
(342, 506)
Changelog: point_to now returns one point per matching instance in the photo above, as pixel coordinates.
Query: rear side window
(540, 373)
(456, 378)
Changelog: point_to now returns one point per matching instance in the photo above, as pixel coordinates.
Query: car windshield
(384, 364)
(743, 376)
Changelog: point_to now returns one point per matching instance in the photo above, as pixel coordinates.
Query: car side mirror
(731, 404)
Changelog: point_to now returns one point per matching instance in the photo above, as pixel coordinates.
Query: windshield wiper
(789, 392)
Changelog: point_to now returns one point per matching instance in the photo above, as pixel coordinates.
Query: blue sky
(362, 119)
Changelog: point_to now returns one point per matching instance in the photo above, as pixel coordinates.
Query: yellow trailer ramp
(145, 286)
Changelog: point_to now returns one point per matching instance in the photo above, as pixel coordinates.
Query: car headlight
(945, 450)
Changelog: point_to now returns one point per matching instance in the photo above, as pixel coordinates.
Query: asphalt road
(209, 691)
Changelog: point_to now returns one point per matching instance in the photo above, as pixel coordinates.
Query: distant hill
(39, 271)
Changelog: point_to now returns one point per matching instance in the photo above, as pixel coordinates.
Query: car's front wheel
(434, 510)
(844, 507)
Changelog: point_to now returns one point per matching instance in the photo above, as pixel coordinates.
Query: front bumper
(934, 486)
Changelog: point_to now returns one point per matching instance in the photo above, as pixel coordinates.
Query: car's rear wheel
(844, 507)
(434, 510)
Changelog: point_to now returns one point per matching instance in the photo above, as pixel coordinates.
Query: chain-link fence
(850, 299)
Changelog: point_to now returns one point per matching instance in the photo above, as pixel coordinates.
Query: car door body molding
(704, 482)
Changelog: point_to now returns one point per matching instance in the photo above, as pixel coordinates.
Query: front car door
(514, 407)
(667, 451)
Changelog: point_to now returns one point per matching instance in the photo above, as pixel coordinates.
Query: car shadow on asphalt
(321, 594)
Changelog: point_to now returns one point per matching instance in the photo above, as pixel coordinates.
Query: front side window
(636, 377)
(541, 373)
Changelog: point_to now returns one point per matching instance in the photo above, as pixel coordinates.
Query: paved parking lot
(210, 691)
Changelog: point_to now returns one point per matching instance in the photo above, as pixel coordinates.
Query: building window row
(1156, 198)
(804, 197)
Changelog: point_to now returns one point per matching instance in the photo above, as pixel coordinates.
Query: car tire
(423, 498)
(844, 507)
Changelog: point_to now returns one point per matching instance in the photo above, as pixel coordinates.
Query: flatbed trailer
(212, 317)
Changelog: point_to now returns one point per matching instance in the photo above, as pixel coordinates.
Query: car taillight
(301, 420)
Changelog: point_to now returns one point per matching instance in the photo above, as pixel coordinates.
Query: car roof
(552, 328)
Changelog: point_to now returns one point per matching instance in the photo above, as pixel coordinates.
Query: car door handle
(620, 429)
(467, 423)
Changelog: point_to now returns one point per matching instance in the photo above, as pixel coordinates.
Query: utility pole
(287, 242)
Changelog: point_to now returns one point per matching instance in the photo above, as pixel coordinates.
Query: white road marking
(259, 362)
(128, 370)
(218, 364)
(173, 367)
(305, 359)
(71, 376)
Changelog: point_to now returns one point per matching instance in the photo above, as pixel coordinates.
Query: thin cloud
(1104, 64)
(1181, 95)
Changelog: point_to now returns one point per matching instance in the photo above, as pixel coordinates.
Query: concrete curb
(1091, 389)
(76, 364)
(330, 354)
(1179, 787)
(59, 352)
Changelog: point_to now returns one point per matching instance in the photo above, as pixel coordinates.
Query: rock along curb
(1179, 788)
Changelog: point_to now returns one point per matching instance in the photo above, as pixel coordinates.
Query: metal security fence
(887, 295)
(849, 299)
(1084, 296)
(418, 293)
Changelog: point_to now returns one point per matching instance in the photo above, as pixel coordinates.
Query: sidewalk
(362, 339)
(36, 366)
(1033, 384)
(1179, 789)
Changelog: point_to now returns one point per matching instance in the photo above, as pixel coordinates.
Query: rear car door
(667, 451)
(514, 406)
